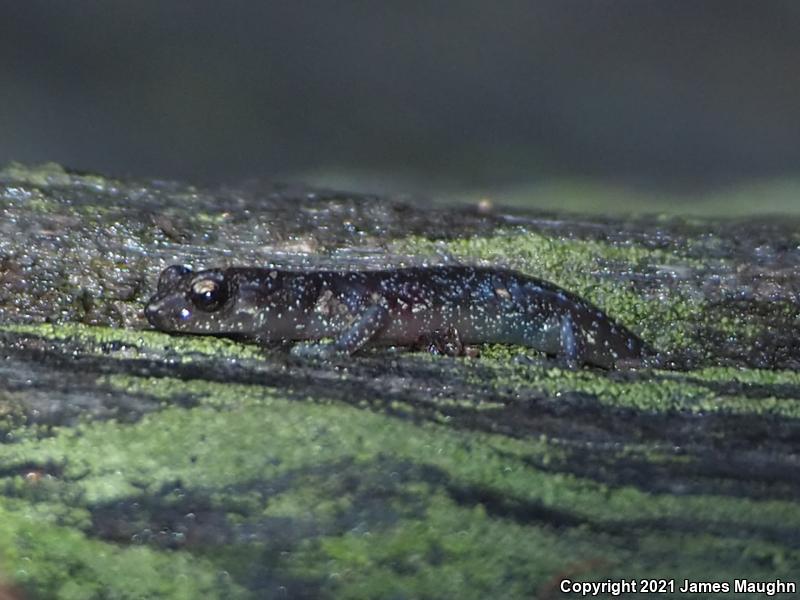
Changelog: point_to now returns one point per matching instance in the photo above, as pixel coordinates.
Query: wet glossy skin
(397, 307)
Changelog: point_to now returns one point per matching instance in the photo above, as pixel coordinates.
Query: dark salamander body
(395, 307)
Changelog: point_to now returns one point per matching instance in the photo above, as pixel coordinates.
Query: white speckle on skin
(323, 303)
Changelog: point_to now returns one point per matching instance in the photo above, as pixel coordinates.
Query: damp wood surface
(136, 464)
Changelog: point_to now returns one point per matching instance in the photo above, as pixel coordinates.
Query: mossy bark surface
(136, 464)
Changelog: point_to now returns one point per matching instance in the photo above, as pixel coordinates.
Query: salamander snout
(155, 313)
(151, 313)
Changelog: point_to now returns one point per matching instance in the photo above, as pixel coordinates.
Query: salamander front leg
(351, 340)
(362, 330)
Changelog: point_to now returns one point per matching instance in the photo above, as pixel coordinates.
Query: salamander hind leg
(593, 339)
(352, 339)
(572, 349)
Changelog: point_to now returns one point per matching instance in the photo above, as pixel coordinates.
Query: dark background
(441, 97)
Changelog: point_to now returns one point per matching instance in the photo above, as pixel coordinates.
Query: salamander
(402, 307)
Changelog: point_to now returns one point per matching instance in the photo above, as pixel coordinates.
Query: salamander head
(213, 301)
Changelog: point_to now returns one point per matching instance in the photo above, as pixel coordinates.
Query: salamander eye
(209, 294)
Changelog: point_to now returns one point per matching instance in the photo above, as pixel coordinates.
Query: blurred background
(601, 105)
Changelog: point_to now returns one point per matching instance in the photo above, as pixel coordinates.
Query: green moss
(655, 391)
(503, 353)
(453, 552)
(317, 467)
(52, 561)
(210, 219)
(14, 421)
(33, 200)
(131, 343)
(50, 174)
(42, 175)
(257, 432)
(457, 552)
(664, 396)
(748, 376)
